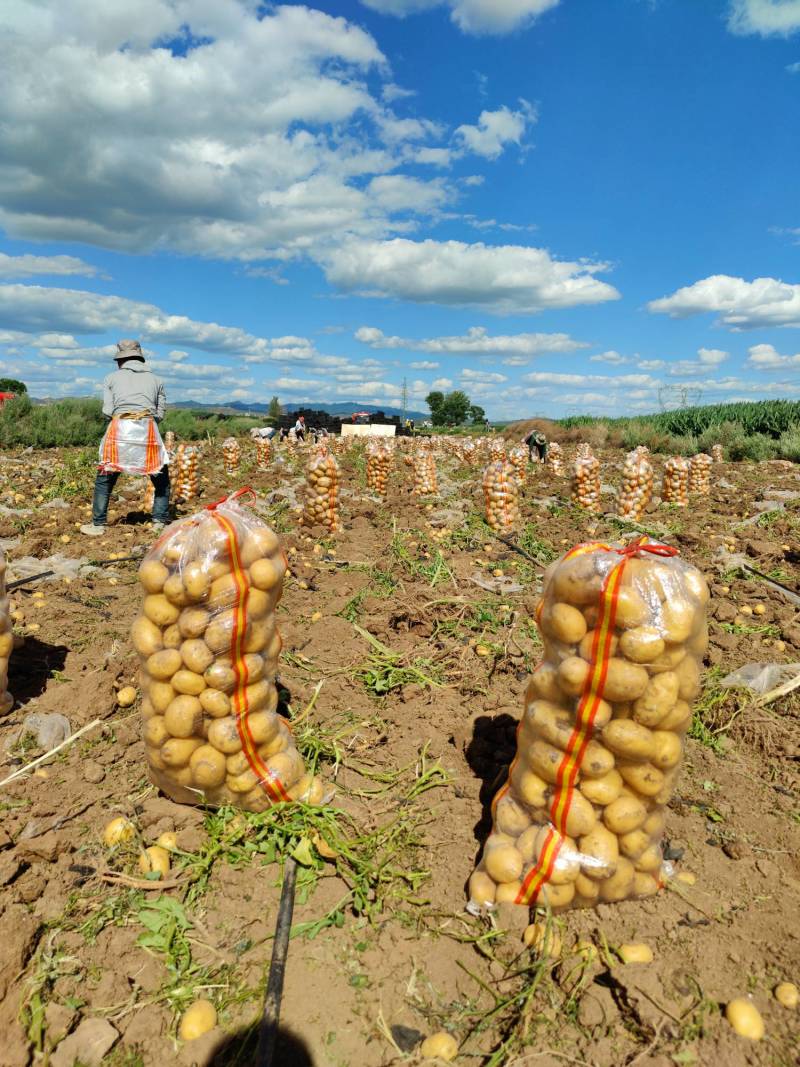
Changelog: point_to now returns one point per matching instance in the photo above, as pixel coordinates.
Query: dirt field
(415, 725)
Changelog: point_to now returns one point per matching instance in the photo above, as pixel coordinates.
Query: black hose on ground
(270, 1020)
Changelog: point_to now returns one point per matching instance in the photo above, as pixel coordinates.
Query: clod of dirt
(46, 848)
(88, 1045)
(93, 772)
(405, 1037)
(736, 850)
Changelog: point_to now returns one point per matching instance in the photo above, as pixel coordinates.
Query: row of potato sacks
(209, 648)
(600, 743)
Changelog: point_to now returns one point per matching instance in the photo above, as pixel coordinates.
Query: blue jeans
(104, 486)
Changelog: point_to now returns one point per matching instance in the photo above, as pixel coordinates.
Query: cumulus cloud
(424, 364)
(707, 360)
(767, 18)
(500, 278)
(612, 357)
(27, 266)
(483, 377)
(742, 305)
(476, 341)
(766, 357)
(473, 16)
(496, 129)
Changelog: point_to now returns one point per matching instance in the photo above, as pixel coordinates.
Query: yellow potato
(175, 592)
(208, 767)
(564, 623)
(259, 542)
(650, 860)
(219, 632)
(118, 831)
(172, 637)
(556, 896)
(696, 585)
(258, 604)
(224, 736)
(161, 695)
(642, 644)
(634, 843)
(572, 674)
(197, 656)
(688, 671)
(242, 783)
(147, 709)
(624, 681)
(635, 953)
(152, 575)
(566, 866)
(236, 764)
(745, 1018)
(576, 581)
(620, 885)
(192, 622)
(509, 817)
(629, 739)
(482, 889)
(287, 767)
(155, 732)
(624, 815)
(215, 703)
(254, 667)
(580, 815)
(602, 790)
(220, 675)
(644, 885)
(154, 758)
(549, 721)
(439, 1046)
(597, 761)
(544, 684)
(196, 581)
(658, 698)
(266, 574)
(184, 717)
(587, 888)
(175, 751)
(632, 611)
(158, 609)
(529, 787)
(543, 939)
(262, 726)
(786, 994)
(154, 858)
(188, 682)
(599, 852)
(162, 665)
(260, 636)
(503, 862)
(279, 742)
(669, 749)
(544, 760)
(678, 719)
(197, 1020)
(225, 591)
(668, 660)
(644, 778)
(258, 696)
(677, 621)
(146, 637)
(655, 822)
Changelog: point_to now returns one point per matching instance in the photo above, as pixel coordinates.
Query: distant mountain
(344, 407)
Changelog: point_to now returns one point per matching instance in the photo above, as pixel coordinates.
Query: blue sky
(559, 206)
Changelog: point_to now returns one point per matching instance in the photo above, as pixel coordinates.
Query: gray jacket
(131, 389)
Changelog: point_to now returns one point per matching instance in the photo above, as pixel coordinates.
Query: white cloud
(484, 377)
(442, 383)
(424, 364)
(27, 266)
(555, 378)
(473, 16)
(793, 68)
(499, 278)
(651, 364)
(611, 357)
(742, 305)
(766, 357)
(496, 129)
(764, 17)
(707, 359)
(476, 341)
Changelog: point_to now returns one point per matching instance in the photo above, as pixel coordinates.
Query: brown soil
(410, 956)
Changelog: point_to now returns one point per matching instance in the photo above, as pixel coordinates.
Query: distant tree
(275, 410)
(477, 415)
(455, 408)
(435, 402)
(12, 385)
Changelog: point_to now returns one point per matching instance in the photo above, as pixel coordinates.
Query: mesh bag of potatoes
(600, 742)
(637, 485)
(500, 495)
(700, 474)
(675, 485)
(321, 500)
(6, 641)
(209, 648)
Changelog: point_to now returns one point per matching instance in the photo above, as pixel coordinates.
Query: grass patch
(385, 670)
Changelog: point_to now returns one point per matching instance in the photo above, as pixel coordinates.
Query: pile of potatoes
(425, 480)
(497, 449)
(263, 450)
(321, 505)
(6, 641)
(169, 441)
(717, 454)
(468, 451)
(379, 463)
(501, 494)
(518, 456)
(675, 486)
(637, 485)
(700, 474)
(231, 455)
(186, 482)
(607, 821)
(555, 458)
(208, 681)
(586, 482)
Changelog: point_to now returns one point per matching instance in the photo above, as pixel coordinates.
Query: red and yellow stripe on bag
(110, 457)
(152, 455)
(272, 785)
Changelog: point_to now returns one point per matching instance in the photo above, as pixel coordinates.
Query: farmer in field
(300, 428)
(134, 400)
(537, 444)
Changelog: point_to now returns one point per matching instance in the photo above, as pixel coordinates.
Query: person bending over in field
(537, 443)
(134, 400)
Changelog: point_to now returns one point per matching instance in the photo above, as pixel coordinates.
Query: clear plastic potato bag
(209, 648)
(601, 739)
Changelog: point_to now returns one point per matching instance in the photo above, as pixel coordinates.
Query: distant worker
(300, 428)
(537, 444)
(134, 400)
(262, 433)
